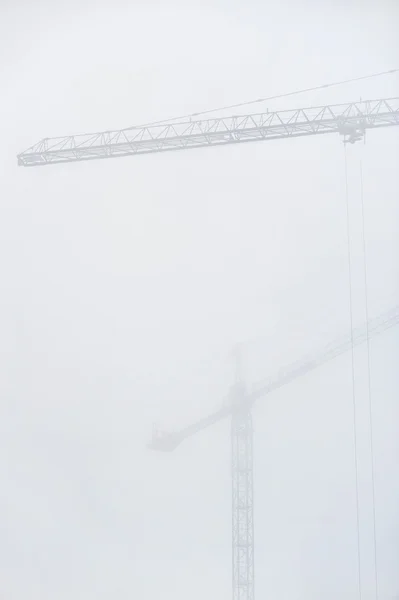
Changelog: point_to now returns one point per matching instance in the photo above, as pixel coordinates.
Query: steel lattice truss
(350, 120)
(242, 505)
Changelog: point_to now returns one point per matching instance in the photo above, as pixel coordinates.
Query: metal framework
(350, 120)
(242, 504)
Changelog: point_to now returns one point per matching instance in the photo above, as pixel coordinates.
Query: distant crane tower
(239, 408)
(349, 120)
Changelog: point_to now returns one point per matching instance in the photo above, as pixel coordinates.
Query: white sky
(125, 283)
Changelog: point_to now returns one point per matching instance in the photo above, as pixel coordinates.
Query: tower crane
(351, 121)
(238, 408)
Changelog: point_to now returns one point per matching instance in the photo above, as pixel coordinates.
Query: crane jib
(169, 441)
(348, 120)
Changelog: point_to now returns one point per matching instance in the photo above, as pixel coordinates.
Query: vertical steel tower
(242, 504)
(242, 490)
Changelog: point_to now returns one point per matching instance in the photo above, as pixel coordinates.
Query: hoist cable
(353, 374)
(370, 404)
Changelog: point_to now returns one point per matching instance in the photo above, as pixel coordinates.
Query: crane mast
(242, 503)
(242, 492)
